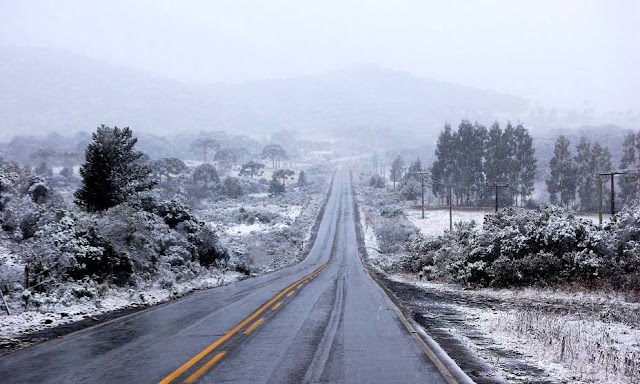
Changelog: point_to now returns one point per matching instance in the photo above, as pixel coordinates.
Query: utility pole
(613, 192)
(422, 174)
(449, 187)
(600, 201)
(497, 186)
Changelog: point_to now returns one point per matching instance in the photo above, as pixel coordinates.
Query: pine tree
(562, 181)
(113, 170)
(630, 184)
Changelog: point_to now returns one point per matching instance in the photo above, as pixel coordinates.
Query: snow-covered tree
(277, 176)
(112, 171)
(252, 168)
(205, 175)
(168, 166)
(231, 187)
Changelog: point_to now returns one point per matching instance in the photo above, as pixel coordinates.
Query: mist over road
(322, 320)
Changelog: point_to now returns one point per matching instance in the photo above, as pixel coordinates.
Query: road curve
(322, 320)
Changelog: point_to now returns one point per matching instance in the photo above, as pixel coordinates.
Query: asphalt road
(322, 320)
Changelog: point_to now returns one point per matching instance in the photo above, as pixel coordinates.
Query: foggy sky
(558, 52)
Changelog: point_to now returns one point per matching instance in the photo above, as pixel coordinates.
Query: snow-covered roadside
(52, 314)
(523, 336)
(578, 337)
(288, 220)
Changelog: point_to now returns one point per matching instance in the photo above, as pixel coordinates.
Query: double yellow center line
(274, 303)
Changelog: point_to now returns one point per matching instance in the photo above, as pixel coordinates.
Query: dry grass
(592, 350)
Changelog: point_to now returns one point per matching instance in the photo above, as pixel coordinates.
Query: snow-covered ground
(257, 226)
(436, 221)
(529, 335)
(577, 337)
(70, 309)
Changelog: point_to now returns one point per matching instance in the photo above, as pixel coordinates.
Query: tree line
(575, 180)
(472, 158)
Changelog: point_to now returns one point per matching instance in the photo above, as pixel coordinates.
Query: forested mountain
(46, 90)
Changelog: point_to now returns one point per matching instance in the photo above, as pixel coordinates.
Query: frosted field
(435, 222)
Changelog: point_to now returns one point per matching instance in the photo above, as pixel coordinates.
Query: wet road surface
(322, 320)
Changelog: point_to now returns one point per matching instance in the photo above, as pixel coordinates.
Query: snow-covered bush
(209, 249)
(393, 234)
(231, 187)
(549, 246)
(622, 241)
(376, 181)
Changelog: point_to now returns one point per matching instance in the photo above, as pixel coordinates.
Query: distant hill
(46, 90)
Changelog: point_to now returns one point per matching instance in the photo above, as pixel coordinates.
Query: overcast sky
(558, 52)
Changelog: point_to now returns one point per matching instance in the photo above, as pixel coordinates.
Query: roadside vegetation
(127, 230)
(539, 293)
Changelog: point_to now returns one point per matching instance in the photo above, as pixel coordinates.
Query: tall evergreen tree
(443, 169)
(468, 158)
(562, 181)
(524, 164)
(494, 156)
(113, 170)
(509, 165)
(630, 184)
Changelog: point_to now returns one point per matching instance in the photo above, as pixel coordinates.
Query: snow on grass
(58, 312)
(569, 348)
(578, 337)
(283, 216)
(436, 221)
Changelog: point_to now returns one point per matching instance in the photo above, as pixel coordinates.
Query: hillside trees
(252, 168)
(275, 153)
(205, 145)
(112, 171)
(225, 158)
